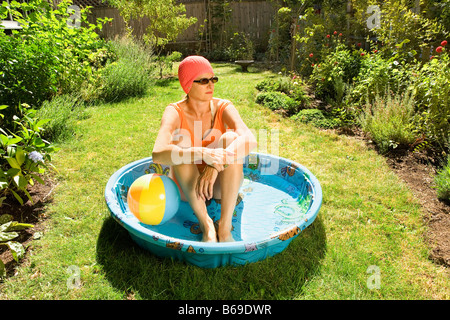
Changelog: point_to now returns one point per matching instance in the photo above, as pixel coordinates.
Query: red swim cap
(190, 68)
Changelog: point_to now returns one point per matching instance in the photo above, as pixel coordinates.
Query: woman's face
(200, 91)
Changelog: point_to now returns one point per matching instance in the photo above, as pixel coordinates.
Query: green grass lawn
(369, 219)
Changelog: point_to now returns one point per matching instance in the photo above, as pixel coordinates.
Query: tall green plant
(388, 121)
(48, 55)
(431, 86)
(24, 155)
(167, 18)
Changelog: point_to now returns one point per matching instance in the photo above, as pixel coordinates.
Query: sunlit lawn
(369, 220)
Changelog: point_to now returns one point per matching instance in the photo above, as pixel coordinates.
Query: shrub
(442, 181)
(388, 121)
(276, 100)
(315, 117)
(287, 91)
(24, 155)
(431, 86)
(128, 73)
(63, 111)
(378, 75)
(339, 67)
(46, 56)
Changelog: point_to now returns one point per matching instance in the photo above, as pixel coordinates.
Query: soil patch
(418, 172)
(32, 213)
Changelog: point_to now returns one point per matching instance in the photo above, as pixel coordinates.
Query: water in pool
(266, 204)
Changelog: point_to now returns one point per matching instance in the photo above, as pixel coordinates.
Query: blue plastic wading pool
(278, 199)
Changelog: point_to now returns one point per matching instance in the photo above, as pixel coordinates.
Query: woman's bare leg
(230, 180)
(186, 176)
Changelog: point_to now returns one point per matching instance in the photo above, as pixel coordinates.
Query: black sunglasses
(206, 80)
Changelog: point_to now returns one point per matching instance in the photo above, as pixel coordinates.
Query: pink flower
(439, 49)
(311, 55)
(444, 43)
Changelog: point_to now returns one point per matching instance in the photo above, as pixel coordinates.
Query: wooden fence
(254, 18)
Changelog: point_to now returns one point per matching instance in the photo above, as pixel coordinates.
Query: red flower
(359, 44)
(444, 43)
(375, 51)
(335, 33)
(362, 54)
(431, 58)
(328, 35)
(340, 34)
(439, 49)
(311, 55)
(312, 65)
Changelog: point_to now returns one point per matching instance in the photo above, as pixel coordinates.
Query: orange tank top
(211, 136)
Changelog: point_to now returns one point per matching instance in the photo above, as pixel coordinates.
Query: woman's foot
(224, 232)
(209, 232)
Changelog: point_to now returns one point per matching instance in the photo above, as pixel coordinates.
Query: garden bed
(32, 213)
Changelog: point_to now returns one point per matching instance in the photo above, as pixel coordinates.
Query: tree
(167, 19)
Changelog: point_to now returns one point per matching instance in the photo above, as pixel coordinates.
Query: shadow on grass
(138, 272)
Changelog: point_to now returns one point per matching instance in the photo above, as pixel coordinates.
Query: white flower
(35, 156)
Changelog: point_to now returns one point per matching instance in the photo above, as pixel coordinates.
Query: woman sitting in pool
(204, 141)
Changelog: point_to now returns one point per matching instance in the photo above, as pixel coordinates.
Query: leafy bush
(431, 87)
(442, 181)
(24, 155)
(8, 229)
(128, 73)
(378, 75)
(388, 120)
(284, 92)
(47, 56)
(62, 111)
(166, 62)
(317, 118)
(276, 101)
(340, 66)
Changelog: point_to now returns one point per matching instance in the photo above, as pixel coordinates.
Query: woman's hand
(205, 183)
(217, 158)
